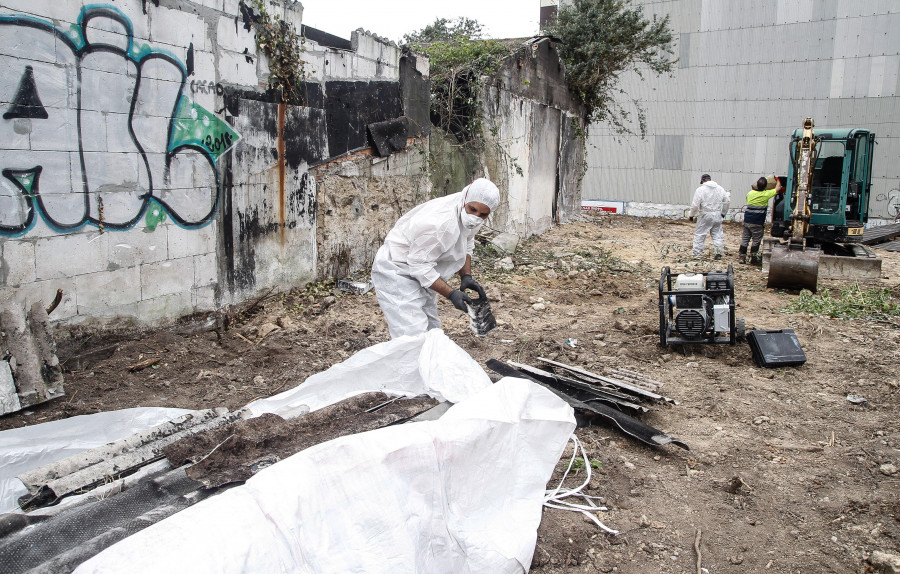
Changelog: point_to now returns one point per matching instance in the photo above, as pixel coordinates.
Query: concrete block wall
(147, 169)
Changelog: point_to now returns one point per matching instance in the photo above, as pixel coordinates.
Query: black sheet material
(389, 136)
(62, 542)
(628, 425)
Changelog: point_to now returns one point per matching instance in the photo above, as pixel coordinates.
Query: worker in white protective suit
(709, 206)
(423, 251)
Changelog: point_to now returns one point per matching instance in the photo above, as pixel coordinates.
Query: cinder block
(232, 35)
(97, 292)
(364, 68)
(137, 246)
(165, 307)
(189, 242)
(166, 277)
(204, 299)
(206, 270)
(93, 131)
(49, 9)
(178, 28)
(231, 8)
(235, 69)
(214, 4)
(134, 12)
(17, 263)
(71, 254)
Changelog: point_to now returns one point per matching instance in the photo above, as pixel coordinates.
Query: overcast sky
(393, 18)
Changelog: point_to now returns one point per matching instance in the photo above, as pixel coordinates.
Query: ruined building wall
(534, 148)
(149, 173)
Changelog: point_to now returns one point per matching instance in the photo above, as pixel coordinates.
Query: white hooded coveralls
(710, 205)
(426, 244)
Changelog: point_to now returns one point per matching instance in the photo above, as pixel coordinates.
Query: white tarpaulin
(27, 448)
(462, 494)
(429, 364)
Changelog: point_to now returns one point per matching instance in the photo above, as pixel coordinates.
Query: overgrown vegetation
(851, 303)
(459, 57)
(281, 44)
(600, 41)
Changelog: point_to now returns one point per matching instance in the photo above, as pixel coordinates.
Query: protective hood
(482, 191)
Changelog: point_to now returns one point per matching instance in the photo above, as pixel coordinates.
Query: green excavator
(825, 206)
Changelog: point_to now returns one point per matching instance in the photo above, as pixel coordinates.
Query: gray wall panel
(750, 71)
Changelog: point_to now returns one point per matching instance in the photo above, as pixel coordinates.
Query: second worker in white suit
(425, 248)
(709, 206)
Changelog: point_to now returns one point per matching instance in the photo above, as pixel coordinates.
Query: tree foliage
(444, 30)
(600, 41)
(458, 58)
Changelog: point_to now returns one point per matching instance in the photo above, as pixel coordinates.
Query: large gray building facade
(749, 72)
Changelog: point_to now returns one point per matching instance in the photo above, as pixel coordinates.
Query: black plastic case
(779, 348)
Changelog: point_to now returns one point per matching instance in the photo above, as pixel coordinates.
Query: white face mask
(470, 221)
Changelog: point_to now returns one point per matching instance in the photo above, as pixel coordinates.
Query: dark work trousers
(754, 232)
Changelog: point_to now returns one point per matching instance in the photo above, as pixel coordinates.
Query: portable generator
(698, 308)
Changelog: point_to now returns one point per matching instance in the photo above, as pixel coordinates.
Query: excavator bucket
(792, 267)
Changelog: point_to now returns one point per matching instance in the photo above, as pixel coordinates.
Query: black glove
(692, 219)
(459, 300)
(466, 282)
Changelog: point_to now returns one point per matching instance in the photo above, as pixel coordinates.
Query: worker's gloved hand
(459, 300)
(692, 219)
(466, 282)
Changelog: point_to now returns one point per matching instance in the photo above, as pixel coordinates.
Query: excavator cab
(839, 189)
(830, 176)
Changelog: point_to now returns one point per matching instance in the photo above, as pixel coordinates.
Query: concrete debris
(858, 400)
(356, 287)
(888, 469)
(28, 351)
(506, 242)
(885, 563)
(506, 264)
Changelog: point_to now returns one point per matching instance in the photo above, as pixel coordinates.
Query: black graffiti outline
(35, 200)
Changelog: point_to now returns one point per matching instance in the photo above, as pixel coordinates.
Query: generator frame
(667, 334)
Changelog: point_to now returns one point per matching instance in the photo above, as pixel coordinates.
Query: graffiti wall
(145, 167)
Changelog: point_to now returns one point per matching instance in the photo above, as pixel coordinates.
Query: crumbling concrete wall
(534, 144)
(535, 150)
(149, 173)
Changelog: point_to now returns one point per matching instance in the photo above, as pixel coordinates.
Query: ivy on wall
(281, 44)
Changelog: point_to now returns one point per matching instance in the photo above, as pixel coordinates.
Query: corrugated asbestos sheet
(210, 451)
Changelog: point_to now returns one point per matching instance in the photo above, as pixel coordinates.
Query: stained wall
(149, 172)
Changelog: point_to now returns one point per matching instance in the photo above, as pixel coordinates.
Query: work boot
(755, 258)
(742, 253)
(743, 260)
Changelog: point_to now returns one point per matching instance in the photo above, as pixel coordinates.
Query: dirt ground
(784, 473)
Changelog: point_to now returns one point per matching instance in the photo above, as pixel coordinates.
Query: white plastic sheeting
(462, 494)
(31, 447)
(429, 364)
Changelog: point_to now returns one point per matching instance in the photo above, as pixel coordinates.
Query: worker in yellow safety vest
(755, 218)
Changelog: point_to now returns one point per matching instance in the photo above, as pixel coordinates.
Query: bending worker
(423, 250)
(755, 218)
(711, 203)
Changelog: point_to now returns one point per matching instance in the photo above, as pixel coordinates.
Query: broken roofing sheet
(599, 395)
(428, 496)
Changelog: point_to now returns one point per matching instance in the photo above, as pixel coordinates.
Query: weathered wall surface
(747, 76)
(148, 172)
(534, 151)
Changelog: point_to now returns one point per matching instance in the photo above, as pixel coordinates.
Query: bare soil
(784, 473)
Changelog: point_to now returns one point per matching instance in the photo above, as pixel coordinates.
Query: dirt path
(784, 474)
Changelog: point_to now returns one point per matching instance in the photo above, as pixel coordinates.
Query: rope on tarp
(554, 498)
